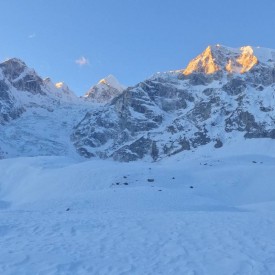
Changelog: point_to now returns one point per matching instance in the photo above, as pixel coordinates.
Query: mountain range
(222, 96)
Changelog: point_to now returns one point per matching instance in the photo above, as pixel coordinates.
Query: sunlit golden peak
(221, 58)
(204, 63)
(59, 85)
(103, 81)
(247, 59)
(247, 50)
(112, 82)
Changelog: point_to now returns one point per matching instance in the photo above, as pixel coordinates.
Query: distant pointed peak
(63, 87)
(60, 85)
(105, 90)
(14, 61)
(247, 49)
(109, 77)
(14, 68)
(204, 63)
(112, 82)
(13, 64)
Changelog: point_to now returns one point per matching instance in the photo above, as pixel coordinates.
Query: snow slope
(40, 132)
(206, 212)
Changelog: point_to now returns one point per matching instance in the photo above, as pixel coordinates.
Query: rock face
(221, 92)
(222, 95)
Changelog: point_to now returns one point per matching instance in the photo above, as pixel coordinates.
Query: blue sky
(81, 41)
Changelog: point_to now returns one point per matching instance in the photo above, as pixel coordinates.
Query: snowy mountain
(224, 94)
(22, 89)
(60, 90)
(105, 90)
(37, 116)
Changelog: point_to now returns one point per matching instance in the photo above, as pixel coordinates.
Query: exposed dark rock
(261, 134)
(134, 151)
(4, 95)
(198, 79)
(266, 109)
(235, 86)
(83, 152)
(30, 83)
(241, 121)
(200, 138)
(201, 111)
(12, 68)
(218, 143)
(155, 151)
(209, 91)
(261, 75)
(260, 88)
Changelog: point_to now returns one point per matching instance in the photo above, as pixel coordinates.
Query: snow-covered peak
(13, 68)
(112, 82)
(232, 60)
(59, 89)
(205, 62)
(64, 88)
(15, 62)
(105, 90)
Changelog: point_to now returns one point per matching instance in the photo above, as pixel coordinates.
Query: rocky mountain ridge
(222, 95)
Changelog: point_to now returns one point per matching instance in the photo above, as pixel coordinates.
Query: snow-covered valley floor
(210, 212)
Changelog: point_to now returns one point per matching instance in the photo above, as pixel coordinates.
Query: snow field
(197, 214)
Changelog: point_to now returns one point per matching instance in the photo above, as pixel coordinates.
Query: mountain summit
(105, 90)
(232, 60)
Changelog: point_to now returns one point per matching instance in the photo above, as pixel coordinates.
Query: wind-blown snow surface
(119, 223)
